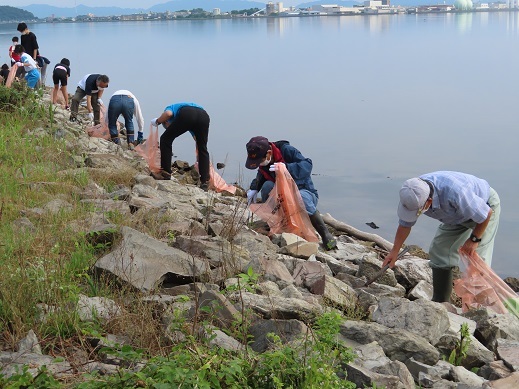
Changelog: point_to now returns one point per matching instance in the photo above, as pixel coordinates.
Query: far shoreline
(277, 16)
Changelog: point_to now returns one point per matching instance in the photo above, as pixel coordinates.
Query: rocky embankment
(192, 243)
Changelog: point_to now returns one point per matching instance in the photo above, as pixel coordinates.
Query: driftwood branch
(340, 226)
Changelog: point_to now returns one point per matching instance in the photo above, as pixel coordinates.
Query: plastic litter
(284, 210)
(479, 287)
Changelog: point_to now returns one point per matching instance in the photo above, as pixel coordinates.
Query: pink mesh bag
(100, 130)
(479, 286)
(284, 210)
(150, 150)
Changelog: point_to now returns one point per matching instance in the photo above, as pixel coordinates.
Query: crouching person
(263, 155)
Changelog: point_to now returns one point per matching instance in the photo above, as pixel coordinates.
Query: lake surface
(373, 100)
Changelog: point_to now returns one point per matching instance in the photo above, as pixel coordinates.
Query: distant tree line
(8, 13)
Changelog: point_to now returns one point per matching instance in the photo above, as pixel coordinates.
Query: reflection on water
(371, 100)
(463, 21)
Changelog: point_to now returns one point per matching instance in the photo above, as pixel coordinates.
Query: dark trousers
(76, 100)
(196, 121)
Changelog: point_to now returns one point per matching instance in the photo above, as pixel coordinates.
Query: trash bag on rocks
(150, 150)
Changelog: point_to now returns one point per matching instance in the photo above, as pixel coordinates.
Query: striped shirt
(457, 198)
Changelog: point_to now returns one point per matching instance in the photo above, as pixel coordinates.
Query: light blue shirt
(457, 198)
(175, 107)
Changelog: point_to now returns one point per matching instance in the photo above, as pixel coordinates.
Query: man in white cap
(469, 211)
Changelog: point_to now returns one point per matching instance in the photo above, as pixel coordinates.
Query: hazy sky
(106, 3)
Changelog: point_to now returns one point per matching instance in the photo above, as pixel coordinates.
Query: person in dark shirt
(4, 73)
(30, 43)
(60, 75)
(28, 40)
(91, 86)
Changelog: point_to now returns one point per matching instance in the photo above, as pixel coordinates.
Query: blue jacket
(299, 167)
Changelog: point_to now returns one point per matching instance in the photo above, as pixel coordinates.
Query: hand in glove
(91, 115)
(100, 102)
(275, 166)
(252, 195)
(154, 122)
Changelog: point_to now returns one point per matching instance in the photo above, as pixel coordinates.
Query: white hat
(413, 195)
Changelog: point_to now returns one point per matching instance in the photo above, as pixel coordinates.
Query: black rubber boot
(442, 285)
(318, 223)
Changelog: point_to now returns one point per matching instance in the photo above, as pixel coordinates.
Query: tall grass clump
(37, 271)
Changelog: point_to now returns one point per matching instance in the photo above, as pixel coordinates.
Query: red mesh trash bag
(479, 287)
(150, 151)
(284, 210)
(100, 130)
(11, 77)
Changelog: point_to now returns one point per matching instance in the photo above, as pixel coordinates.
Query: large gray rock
(337, 266)
(397, 344)
(477, 354)
(491, 327)
(13, 362)
(147, 263)
(370, 265)
(307, 273)
(97, 308)
(277, 307)
(351, 252)
(421, 317)
(411, 270)
(495, 370)
(380, 369)
(335, 292)
(272, 270)
(287, 330)
(508, 352)
(219, 308)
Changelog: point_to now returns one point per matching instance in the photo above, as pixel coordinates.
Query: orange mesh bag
(100, 130)
(218, 184)
(216, 181)
(11, 77)
(150, 151)
(479, 286)
(284, 210)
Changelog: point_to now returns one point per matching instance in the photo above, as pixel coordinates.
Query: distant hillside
(208, 5)
(43, 10)
(12, 14)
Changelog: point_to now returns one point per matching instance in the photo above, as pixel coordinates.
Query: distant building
(217, 12)
(334, 9)
(270, 8)
(279, 7)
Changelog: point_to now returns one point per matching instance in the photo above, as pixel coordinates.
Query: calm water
(372, 100)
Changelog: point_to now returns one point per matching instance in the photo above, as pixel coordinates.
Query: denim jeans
(121, 105)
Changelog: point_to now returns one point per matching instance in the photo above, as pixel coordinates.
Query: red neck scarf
(276, 157)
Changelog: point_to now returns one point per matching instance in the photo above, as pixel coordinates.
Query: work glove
(19, 64)
(252, 195)
(100, 102)
(154, 122)
(275, 166)
(91, 115)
